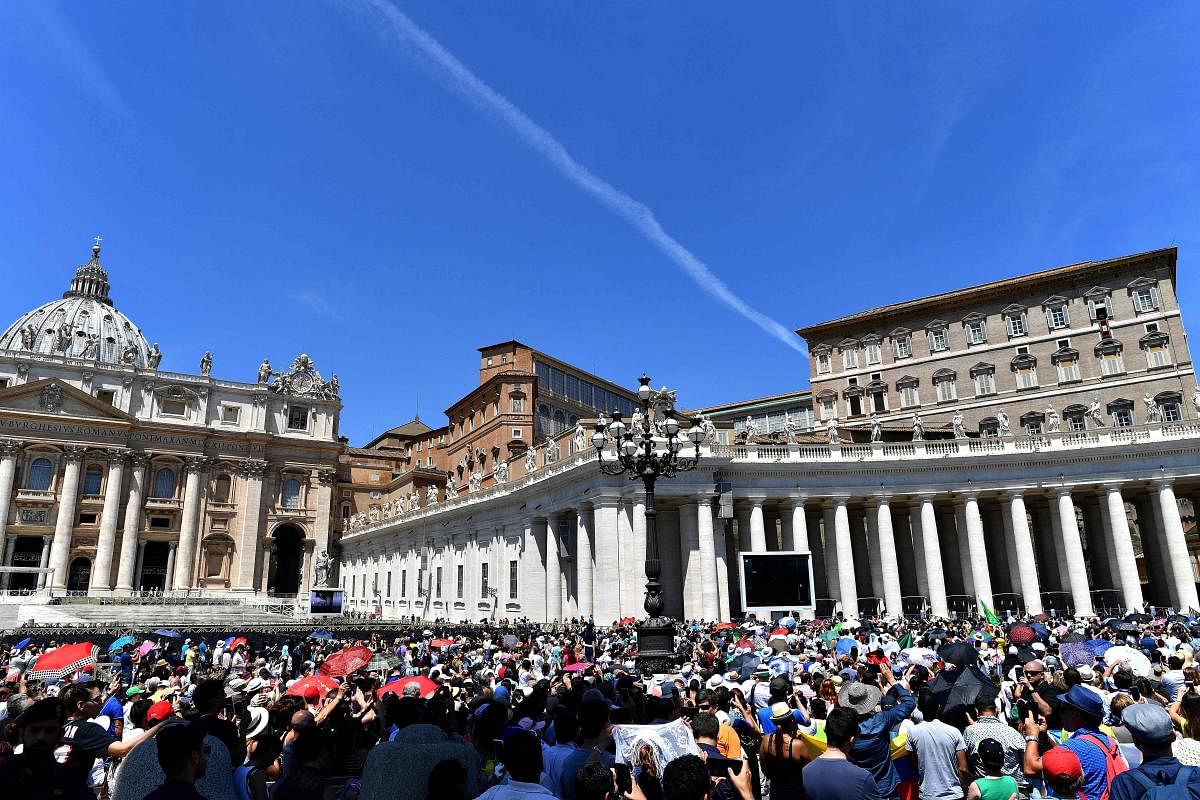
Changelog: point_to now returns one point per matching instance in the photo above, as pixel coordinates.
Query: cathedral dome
(81, 324)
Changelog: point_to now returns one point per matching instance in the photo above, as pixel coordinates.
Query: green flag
(906, 641)
(988, 614)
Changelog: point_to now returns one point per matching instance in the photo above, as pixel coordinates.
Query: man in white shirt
(940, 752)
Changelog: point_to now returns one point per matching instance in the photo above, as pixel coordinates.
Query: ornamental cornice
(327, 477)
(73, 453)
(196, 463)
(117, 456)
(253, 469)
(10, 448)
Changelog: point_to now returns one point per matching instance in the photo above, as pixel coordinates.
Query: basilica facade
(118, 477)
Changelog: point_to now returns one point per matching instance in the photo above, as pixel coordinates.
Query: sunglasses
(1033, 672)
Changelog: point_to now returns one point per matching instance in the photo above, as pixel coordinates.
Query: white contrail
(637, 214)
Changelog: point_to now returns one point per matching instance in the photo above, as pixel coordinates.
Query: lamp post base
(656, 646)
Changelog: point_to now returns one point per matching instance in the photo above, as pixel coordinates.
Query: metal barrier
(961, 605)
(1058, 603)
(915, 605)
(1008, 603)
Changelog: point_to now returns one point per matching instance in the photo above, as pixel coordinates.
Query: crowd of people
(820, 709)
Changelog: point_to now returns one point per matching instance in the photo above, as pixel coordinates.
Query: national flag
(988, 614)
(906, 641)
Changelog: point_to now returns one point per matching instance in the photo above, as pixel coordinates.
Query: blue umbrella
(21, 644)
(1099, 646)
(168, 634)
(320, 635)
(119, 643)
(1076, 654)
(845, 644)
(1041, 630)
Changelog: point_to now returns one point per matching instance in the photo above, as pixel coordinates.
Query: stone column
(710, 601)
(141, 560)
(533, 603)
(832, 572)
(963, 547)
(1060, 553)
(1004, 510)
(169, 579)
(787, 526)
(758, 528)
(306, 571)
(817, 548)
(981, 579)
(9, 452)
(64, 523)
(723, 588)
(252, 534)
(1176, 545)
(545, 530)
(669, 553)
(689, 559)
(905, 555)
(101, 580)
(189, 531)
(585, 561)
(1121, 544)
(1073, 549)
(873, 553)
(845, 556)
(1016, 523)
(129, 564)
(931, 544)
(889, 563)
(1105, 532)
(636, 566)
(47, 544)
(914, 529)
(607, 598)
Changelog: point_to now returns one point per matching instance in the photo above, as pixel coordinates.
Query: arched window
(40, 473)
(222, 488)
(92, 480)
(291, 493)
(560, 422)
(164, 483)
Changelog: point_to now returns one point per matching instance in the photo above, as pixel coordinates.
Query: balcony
(163, 504)
(35, 496)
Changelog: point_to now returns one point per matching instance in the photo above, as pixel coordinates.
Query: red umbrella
(780, 632)
(441, 643)
(578, 666)
(234, 642)
(62, 661)
(322, 683)
(426, 686)
(627, 620)
(1021, 634)
(724, 626)
(743, 644)
(346, 661)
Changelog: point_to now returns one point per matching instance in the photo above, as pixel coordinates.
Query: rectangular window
(173, 408)
(459, 583)
(1068, 370)
(1122, 418)
(87, 519)
(823, 365)
(1057, 317)
(403, 583)
(827, 410)
(573, 387)
(1076, 423)
(512, 580)
(909, 396)
(850, 357)
(558, 381)
(297, 418)
(902, 345)
(230, 414)
(985, 383)
(946, 390)
(160, 523)
(1157, 355)
(516, 433)
(938, 340)
(1097, 304)
(1151, 327)
(1062, 344)
(1111, 364)
(1016, 325)
(976, 333)
(874, 354)
(1026, 377)
(483, 580)
(1143, 299)
(1034, 428)
(108, 396)
(1170, 412)
(879, 401)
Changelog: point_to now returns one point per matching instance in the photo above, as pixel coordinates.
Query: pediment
(1054, 300)
(936, 324)
(973, 316)
(1141, 282)
(1012, 309)
(59, 398)
(1098, 291)
(900, 332)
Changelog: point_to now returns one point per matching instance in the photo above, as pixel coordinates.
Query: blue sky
(278, 177)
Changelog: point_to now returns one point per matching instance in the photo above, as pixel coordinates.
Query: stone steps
(149, 617)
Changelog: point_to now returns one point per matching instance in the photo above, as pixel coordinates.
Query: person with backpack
(1160, 776)
(1099, 755)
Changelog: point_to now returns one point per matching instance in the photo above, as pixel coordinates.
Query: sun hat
(714, 682)
(258, 721)
(862, 697)
(781, 712)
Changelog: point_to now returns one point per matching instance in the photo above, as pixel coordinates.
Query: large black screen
(776, 580)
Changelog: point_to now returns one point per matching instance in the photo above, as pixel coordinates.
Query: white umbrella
(918, 655)
(1135, 659)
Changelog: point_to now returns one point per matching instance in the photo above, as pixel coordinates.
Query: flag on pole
(906, 641)
(988, 614)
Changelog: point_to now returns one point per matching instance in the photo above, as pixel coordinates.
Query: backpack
(1177, 790)
(1114, 763)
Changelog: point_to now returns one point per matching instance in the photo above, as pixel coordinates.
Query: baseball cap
(1061, 765)
(134, 691)
(991, 753)
(158, 712)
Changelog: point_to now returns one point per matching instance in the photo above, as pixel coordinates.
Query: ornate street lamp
(643, 456)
